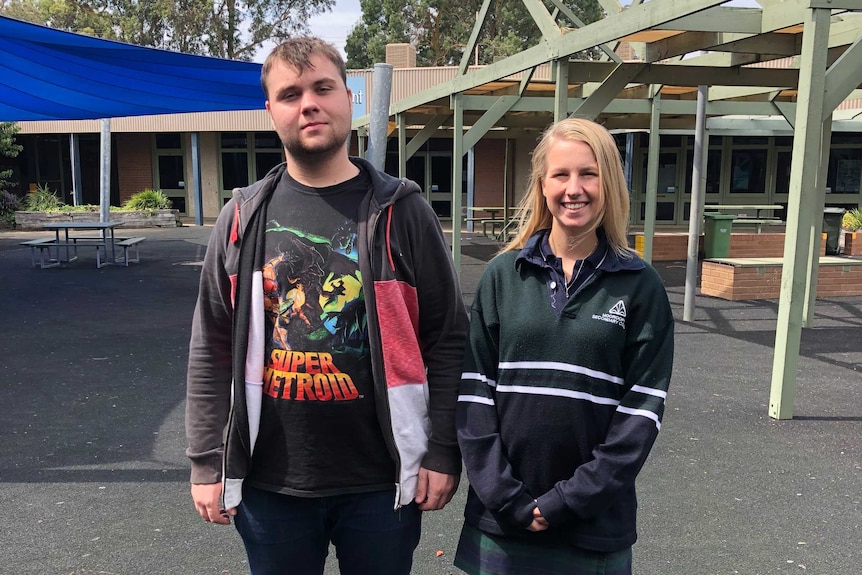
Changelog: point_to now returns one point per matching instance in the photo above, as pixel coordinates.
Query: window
(234, 170)
(844, 175)
(713, 172)
(169, 141)
(171, 172)
(169, 167)
(748, 171)
(782, 172)
(247, 157)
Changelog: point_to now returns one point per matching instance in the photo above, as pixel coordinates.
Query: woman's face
(571, 186)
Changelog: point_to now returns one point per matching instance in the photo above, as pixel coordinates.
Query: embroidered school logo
(616, 315)
(619, 309)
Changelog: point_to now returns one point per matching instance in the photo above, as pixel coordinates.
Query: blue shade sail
(50, 74)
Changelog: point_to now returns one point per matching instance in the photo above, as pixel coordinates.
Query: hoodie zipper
(384, 396)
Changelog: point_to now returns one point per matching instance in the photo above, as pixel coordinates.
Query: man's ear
(269, 113)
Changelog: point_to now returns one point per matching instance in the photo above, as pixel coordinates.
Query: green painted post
(819, 201)
(803, 178)
(457, 155)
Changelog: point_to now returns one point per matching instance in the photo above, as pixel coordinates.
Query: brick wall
(672, 246)
(488, 172)
(731, 282)
(667, 246)
(853, 243)
(134, 163)
(401, 55)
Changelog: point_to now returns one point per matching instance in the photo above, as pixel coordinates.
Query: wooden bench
(130, 244)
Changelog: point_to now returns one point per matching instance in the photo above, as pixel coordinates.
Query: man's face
(311, 113)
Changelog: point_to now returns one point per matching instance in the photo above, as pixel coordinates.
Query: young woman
(566, 373)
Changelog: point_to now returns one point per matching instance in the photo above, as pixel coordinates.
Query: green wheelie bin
(716, 234)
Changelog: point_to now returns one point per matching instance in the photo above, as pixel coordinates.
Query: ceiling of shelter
(749, 57)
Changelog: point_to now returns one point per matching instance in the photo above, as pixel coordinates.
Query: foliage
(9, 204)
(148, 200)
(440, 29)
(231, 29)
(43, 199)
(8, 148)
(852, 220)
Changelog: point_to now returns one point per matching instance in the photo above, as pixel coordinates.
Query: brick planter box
(672, 246)
(157, 219)
(760, 278)
(852, 243)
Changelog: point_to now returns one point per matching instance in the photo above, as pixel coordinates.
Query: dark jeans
(285, 535)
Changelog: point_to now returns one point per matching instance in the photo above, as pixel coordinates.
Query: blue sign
(357, 86)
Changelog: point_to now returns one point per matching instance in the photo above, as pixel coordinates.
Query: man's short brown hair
(297, 52)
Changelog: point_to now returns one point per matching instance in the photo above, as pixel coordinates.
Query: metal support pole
(652, 176)
(379, 127)
(401, 122)
(471, 183)
(105, 171)
(628, 167)
(696, 210)
(362, 142)
(197, 185)
(75, 156)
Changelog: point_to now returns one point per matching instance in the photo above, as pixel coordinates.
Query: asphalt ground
(93, 479)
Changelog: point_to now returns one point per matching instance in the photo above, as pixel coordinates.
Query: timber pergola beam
(783, 67)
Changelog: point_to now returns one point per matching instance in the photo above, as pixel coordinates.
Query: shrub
(42, 199)
(148, 200)
(852, 220)
(9, 204)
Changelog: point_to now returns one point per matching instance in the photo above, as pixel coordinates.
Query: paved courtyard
(93, 478)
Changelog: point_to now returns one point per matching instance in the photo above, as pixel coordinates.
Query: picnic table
(742, 215)
(497, 216)
(55, 251)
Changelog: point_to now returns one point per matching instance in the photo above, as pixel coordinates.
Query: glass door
(433, 172)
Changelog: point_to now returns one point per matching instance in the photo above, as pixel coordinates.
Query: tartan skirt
(481, 553)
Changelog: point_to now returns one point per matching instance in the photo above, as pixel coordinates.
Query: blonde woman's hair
(613, 216)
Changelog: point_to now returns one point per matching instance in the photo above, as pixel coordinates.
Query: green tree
(233, 29)
(440, 29)
(383, 22)
(8, 148)
(61, 15)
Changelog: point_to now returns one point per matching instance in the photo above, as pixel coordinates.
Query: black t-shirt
(319, 432)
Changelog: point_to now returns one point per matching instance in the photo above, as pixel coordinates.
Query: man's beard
(317, 155)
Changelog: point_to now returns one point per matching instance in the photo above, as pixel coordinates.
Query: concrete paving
(93, 479)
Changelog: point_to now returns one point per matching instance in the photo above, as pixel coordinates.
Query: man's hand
(435, 489)
(207, 498)
(539, 522)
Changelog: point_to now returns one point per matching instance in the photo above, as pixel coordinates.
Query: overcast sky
(335, 26)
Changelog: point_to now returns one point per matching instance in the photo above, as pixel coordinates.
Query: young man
(326, 346)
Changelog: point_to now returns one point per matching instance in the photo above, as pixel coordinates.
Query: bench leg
(52, 263)
(127, 258)
(137, 257)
